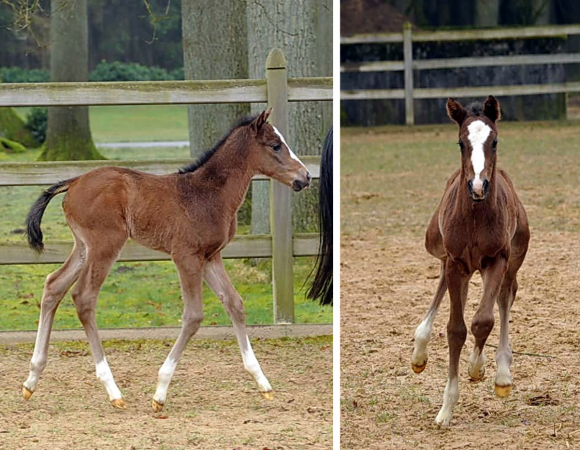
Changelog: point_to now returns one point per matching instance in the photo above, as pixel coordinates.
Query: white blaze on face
(292, 155)
(478, 134)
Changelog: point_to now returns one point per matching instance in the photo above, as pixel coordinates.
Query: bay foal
(191, 215)
(480, 224)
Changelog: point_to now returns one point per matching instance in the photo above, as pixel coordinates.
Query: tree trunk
(303, 30)
(486, 13)
(68, 133)
(214, 48)
(541, 12)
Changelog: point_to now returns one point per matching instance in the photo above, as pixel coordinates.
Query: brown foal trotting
(480, 224)
(190, 215)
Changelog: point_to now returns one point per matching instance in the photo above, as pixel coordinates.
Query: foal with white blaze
(190, 215)
(479, 225)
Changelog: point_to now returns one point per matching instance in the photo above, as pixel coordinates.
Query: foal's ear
(455, 111)
(491, 109)
(262, 119)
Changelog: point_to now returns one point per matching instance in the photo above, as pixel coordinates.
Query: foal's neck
(228, 171)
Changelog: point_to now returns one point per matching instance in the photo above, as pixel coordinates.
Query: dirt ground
(388, 281)
(212, 402)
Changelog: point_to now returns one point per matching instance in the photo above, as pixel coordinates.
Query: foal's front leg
(483, 320)
(457, 283)
(190, 270)
(423, 332)
(218, 280)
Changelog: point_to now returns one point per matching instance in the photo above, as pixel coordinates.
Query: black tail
(321, 288)
(34, 218)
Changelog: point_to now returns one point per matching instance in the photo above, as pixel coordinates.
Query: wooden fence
(276, 89)
(408, 64)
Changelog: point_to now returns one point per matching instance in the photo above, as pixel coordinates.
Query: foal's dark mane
(206, 155)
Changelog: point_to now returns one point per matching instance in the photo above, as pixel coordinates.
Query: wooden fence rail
(276, 89)
(408, 65)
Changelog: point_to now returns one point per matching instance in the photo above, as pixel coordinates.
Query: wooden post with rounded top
(280, 195)
(408, 62)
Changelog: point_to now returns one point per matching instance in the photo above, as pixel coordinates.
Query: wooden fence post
(280, 196)
(408, 61)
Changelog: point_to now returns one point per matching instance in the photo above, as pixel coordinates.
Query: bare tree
(486, 13)
(303, 30)
(68, 134)
(214, 47)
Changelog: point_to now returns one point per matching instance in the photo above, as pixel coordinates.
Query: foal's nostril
(298, 185)
(308, 177)
(470, 186)
(485, 186)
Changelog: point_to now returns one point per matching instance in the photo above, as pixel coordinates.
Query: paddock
(392, 180)
(215, 403)
(218, 410)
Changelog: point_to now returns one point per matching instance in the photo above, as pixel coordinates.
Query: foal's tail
(321, 288)
(34, 218)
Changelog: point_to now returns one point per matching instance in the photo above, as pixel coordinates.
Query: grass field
(135, 294)
(391, 182)
(136, 123)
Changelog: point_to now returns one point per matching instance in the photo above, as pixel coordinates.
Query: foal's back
(116, 204)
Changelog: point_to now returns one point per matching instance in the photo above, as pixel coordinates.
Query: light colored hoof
(503, 391)
(157, 407)
(119, 403)
(443, 419)
(268, 395)
(26, 393)
(417, 368)
(477, 376)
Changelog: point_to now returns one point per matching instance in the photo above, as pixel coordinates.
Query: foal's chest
(473, 244)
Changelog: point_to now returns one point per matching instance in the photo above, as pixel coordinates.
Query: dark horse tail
(34, 218)
(321, 288)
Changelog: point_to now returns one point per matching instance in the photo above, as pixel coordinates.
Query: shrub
(104, 71)
(119, 71)
(37, 122)
(19, 75)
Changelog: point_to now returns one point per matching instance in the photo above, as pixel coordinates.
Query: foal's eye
(461, 145)
(494, 144)
(276, 147)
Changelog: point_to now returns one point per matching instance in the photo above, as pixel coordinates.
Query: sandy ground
(212, 402)
(387, 282)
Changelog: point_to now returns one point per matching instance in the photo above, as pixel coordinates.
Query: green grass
(406, 169)
(135, 294)
(136, 123)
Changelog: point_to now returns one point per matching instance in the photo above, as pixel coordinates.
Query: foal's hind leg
(100, 259)
(218, 280)
(507, 295)
(56, 286)
(423, 332)
(191, 276)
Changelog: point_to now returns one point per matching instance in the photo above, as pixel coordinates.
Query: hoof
(157, 407)
(119, 403)
(26, 393)
(417, 368)
(478, 376)
(503, 391)
(443, 419)
(268, 395)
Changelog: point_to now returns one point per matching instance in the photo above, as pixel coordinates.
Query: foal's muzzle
(302, 181)
(478, 191)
